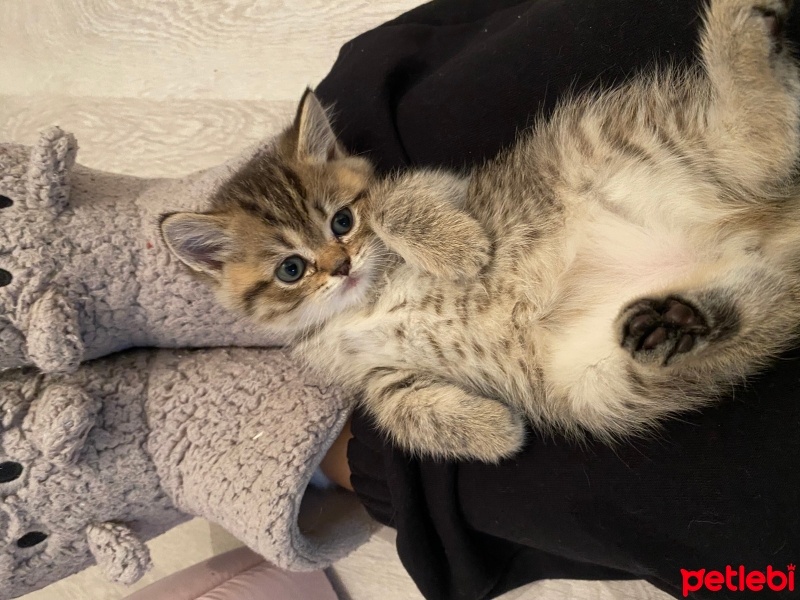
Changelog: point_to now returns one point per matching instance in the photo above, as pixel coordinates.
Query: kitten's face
(288, 240)
(303, 248)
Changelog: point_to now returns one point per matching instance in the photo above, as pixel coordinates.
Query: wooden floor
(164, 87)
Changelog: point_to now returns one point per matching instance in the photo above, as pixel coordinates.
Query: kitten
(631, 258)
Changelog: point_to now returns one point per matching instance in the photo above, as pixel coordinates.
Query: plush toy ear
(52, 158)
(60, 421)
(12, 405)
(121, 556)
(202, 242)
(54, 336)
(315, 138)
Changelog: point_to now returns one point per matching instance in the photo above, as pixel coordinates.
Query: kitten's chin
(354, 287)
(350, 294)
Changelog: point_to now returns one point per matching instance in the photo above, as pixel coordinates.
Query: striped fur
(631, 258)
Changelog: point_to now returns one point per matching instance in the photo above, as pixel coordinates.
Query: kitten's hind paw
(658, 330)
(738, 27)
(774, 14)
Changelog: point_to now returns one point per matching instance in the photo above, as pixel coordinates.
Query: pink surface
(240, 574)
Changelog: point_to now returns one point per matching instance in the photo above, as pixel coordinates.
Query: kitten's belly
(612, 264)
(617, 261)
(495, 342)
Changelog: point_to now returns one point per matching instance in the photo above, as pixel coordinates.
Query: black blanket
(450, 84)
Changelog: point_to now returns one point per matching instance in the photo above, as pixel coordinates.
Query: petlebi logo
(739, 579)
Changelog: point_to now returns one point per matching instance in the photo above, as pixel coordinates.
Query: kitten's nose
(342, 267)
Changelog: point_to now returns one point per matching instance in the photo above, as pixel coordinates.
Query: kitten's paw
(456, 249)
(484, 430)
(750, 28)
(658, 330)
(489, 434)
(774, 12)
(500, 436)
(773, 15)
(472, 255)
(420, 217)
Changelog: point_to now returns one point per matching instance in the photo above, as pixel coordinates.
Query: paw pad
(662, 328)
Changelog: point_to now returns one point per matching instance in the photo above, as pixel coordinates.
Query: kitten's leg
(429, 417)
(753, 114)
(419, 216)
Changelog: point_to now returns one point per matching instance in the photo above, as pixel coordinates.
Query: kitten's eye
(291, 269)
(342, 222)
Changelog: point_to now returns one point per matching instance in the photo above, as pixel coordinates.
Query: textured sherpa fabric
(73, 453)
(105, 458)
(97, 457)
(83, 270)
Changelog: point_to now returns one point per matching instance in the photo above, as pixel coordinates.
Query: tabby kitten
(631, 258)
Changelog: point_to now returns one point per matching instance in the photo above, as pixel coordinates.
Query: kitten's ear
(315, 138)
(202, 242)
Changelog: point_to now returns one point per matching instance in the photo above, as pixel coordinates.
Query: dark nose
(342, 268)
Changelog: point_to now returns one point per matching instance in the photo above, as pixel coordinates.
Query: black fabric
(450, 84)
